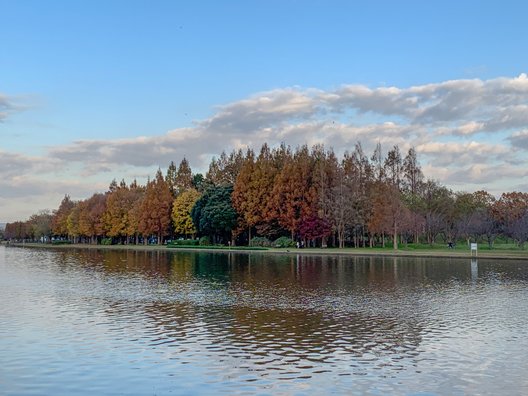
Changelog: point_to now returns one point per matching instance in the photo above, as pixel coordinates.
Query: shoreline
(351, 252)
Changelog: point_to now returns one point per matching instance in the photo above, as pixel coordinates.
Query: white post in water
(473, 249)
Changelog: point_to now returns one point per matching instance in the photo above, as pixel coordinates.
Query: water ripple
(102, 322)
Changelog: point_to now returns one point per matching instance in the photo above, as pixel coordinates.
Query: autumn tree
(510, 210)
(18, 230)
(295, 197)
(485, 224)
(314, 227)
(389, 214)
(466, 212)
(325, 174)
(40, 225)
(184, 177)
(341, 210)
(116, 216)
(253, 190)
(91, 217)
(307, 193)
(155, 209)
(181, 212)
(437, 203)
(393, 168)
(59, 222)
(135, 198)
(358, 177)
(518, 230)
(73, 223)
(268, 166)
(113, 186)
(224, 170)
(412, 183)
(412, 172)
(170, 178)
(245, 194)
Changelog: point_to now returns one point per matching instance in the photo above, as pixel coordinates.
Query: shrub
(260, 241)
(283, 242)
(204, 241)
(61, 242)
(106, 241)
(185, 242)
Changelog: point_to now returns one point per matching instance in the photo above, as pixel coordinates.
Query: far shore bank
(425, 253)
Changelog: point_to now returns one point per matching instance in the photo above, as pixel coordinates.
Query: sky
(96, 90)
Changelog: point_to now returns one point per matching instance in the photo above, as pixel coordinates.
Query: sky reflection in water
(124, 322)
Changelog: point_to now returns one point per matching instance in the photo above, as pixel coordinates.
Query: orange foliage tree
(59, 222)
(155, 212)
(91, 217)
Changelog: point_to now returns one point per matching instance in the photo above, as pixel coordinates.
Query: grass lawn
(500, 250)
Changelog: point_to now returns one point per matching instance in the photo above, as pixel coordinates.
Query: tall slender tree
(91, 217)
(295, 198)
(116, 216)
(245, 194)
(155, 214)
(412, 184)
(181, 212)
(224, 170)
(171, 179)
(136, 196)
(59, 223)
(184, 177)
(394, 168)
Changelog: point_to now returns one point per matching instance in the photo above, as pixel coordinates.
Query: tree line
(306, 194)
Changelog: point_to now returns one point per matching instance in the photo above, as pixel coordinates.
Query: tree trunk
(341, 237)
(395, 237)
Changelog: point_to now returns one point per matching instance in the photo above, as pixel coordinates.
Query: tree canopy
(307, 193)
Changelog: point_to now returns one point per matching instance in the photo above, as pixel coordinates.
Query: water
(117, 322)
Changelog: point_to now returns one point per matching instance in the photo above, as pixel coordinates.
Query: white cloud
(519, 139)
(461, 154)
(6, 106)
(16, 165)
(487, 174)
(436, 118)
(465, 131)
(23, 195)
(11, 104)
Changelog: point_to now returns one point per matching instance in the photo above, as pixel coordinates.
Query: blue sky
(77, 75)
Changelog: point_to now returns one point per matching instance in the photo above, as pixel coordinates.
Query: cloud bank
(469, 134)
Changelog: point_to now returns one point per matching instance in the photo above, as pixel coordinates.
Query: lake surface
(123, 322)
